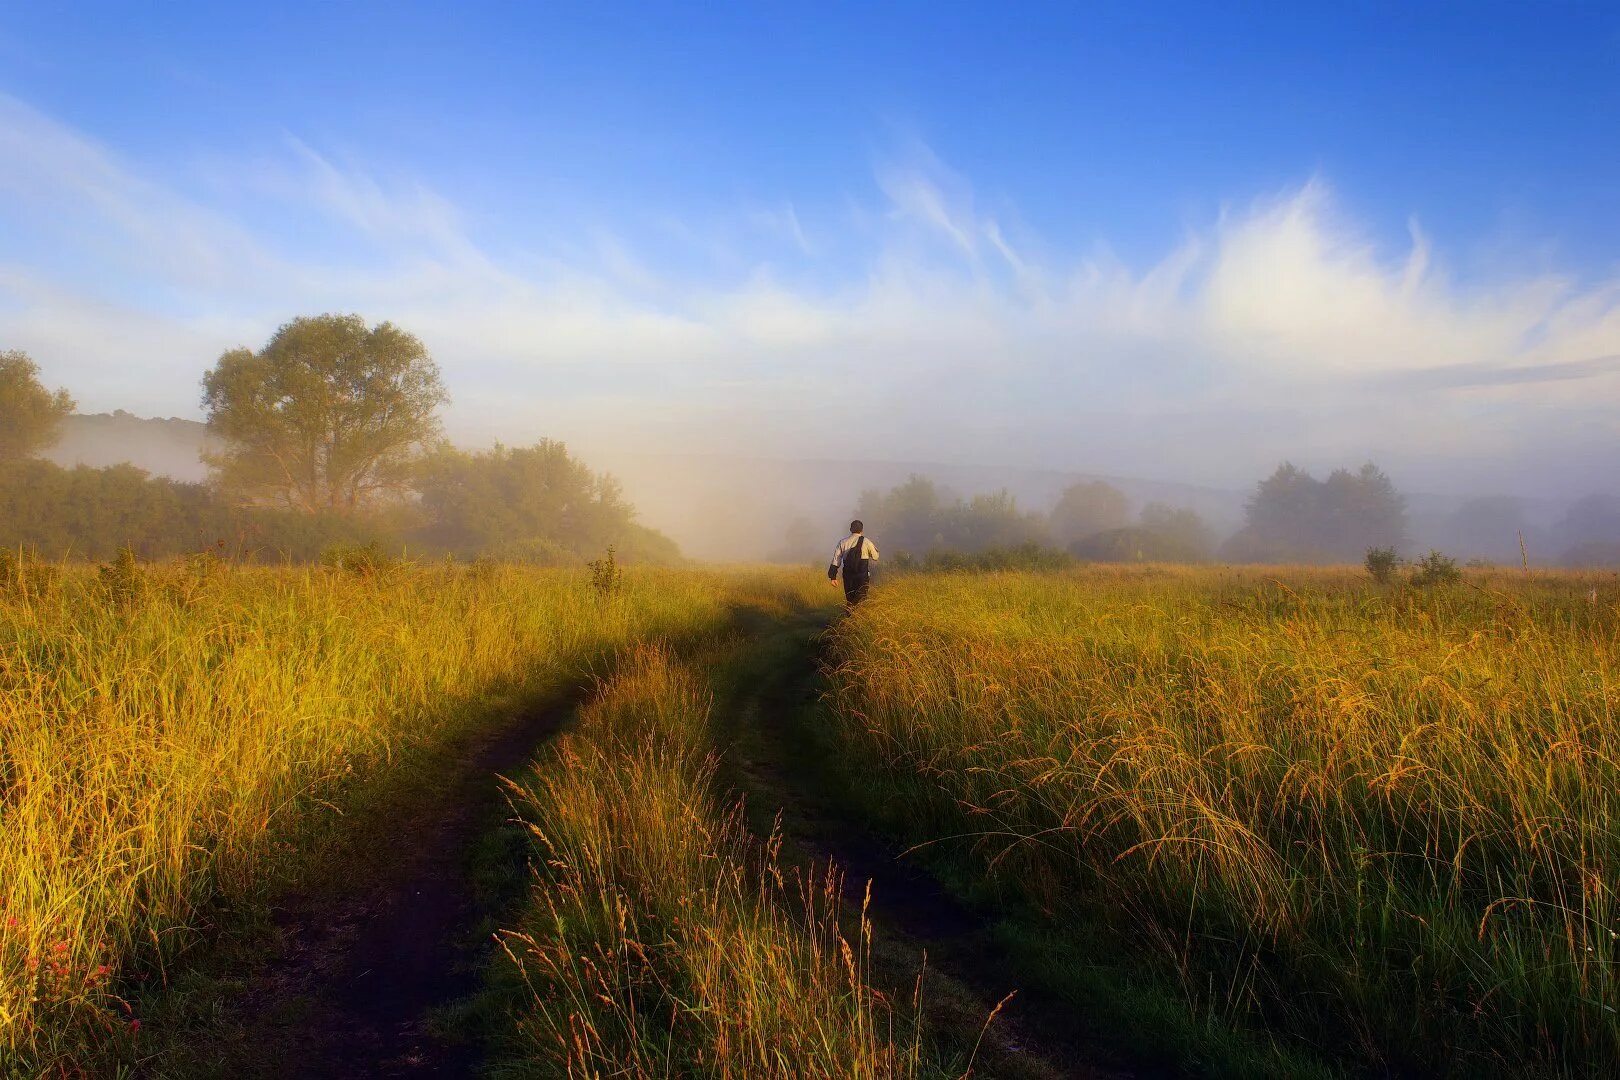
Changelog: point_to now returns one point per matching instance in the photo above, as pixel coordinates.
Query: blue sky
(1048, 235)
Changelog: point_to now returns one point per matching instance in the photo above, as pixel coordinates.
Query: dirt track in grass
(366, 966)
(918, 924)
(368, 970)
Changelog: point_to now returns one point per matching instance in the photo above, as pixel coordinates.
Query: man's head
(856, 526)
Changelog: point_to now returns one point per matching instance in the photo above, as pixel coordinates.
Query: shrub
(1436, 568)
(123, 580)
(1381, 563)
(607, 577)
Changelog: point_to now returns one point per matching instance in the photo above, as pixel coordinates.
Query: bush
(1436, 568)
(606, 576)
(1381, 563)
(536, 504)
(123, 580)
(89, 513)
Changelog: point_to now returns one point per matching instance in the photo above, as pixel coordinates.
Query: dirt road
(378, 974)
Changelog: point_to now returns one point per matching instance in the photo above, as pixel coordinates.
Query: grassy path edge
(661, 936)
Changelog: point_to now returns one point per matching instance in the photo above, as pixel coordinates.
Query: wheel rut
(919, 924)
(366, 966)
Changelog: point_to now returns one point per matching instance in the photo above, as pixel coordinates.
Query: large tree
(1295, 517)
(329, 416)
(908, 517)
(30, 415)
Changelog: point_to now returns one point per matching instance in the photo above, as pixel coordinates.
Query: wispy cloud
(913, 325)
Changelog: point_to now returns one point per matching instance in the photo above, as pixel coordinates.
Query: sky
(1175, 241)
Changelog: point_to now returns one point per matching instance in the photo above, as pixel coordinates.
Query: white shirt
(849, 542)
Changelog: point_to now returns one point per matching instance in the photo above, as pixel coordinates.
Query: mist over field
(779, 377)
(1176, 309)
(892, 541)
(754, 503)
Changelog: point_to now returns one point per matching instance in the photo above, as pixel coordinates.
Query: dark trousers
(856, 587)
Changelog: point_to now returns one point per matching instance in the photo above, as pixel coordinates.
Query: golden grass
(662, 939)
(160, 730)
(1384, 820)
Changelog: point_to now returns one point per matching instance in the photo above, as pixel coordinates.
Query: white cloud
(1275, 327)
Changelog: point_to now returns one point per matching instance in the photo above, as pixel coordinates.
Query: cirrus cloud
(910, 324)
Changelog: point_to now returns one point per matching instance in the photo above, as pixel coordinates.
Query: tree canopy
(916, 519)
(86, 512)
(535, 503)
(30, 415)
(1293, 517)
(329, 416)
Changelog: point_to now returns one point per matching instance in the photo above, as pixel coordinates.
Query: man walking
(854, 555)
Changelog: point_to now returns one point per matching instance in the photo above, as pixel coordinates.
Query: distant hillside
(171, 447)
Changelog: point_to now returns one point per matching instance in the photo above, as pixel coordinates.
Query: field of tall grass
(162, 728)
(1375, 823)
(1380, 821)
(661, 938)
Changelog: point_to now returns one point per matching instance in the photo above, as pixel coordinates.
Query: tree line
(919, 522)
(327, 435)
(1291, 517)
